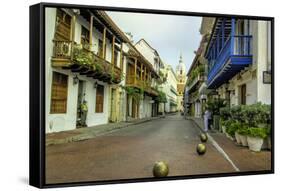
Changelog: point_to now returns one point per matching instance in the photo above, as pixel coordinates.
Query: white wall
(166, 87)
(57, 122)
(145, 108)
(261, 58)
(146, 51)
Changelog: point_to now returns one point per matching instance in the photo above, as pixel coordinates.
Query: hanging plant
(161, 98)
(82, 57)
(133, 92)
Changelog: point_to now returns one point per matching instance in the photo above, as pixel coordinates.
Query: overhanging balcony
(227, 53)
(78, 59)
(146, 86)
(193, 83)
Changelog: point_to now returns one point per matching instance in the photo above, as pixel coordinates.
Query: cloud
(168, 34)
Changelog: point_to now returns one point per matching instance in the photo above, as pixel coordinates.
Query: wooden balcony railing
(198, 78)
(141, 84)
(62, 49)
(237, 49)
(65, 55)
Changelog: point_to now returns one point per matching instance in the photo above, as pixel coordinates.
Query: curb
(80, 137)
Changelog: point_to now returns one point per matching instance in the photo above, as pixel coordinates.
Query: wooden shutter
(59, 93)
(85, 36)
(63, 26)
(99, 98)
(115, 57)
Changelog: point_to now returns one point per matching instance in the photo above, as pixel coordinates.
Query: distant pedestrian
(207, 118)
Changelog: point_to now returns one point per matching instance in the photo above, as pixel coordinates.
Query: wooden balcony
(79, 59)
(192, 84)
(136, 82)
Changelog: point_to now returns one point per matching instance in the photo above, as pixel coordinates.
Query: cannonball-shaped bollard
(201, 149)
(160, 169)
(203, 137)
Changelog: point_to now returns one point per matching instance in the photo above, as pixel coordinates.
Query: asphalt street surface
(131, 153)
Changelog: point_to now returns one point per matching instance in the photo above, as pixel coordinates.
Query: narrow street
(132, 151)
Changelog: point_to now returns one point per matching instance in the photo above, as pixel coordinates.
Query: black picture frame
(37, 95)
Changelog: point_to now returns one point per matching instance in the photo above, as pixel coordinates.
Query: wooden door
(243, 95)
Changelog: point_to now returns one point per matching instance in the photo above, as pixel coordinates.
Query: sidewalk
(242, 157)
(90, 132)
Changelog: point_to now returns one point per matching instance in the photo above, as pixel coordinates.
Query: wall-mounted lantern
(75, 80)
(95, 84)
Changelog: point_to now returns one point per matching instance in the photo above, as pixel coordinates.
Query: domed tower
(181, 76)
(181, 71)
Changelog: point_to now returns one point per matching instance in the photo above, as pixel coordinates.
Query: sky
(170, 35)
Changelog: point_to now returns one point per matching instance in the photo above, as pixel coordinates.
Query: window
(180, 72)
(99, 98)
(63, 25)
(85, 36)
(59, 93)
(100, 49)
(115, 57)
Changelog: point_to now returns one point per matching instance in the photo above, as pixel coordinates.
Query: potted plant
(214, 106)
(231, 127)
(259, 119)
(224, 116)
(241, 133)
(256, 137)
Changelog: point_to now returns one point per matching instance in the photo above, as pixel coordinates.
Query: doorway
(80, 99)
(243, 94)
(113, 106)
(135, 109)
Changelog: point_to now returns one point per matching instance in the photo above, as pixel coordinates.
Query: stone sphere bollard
(201, 149)
(160, 169)
(203, 137)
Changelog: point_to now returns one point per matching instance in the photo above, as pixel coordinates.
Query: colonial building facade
(141, 77)
(239, 56)
(84, 63)
(237, 53)
(170, 88)
(90, 64)
(150, 105)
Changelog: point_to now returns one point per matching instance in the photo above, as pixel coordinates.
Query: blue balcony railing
(227, 56)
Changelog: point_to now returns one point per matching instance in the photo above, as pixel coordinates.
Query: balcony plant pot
(237, 137)
(255, 143)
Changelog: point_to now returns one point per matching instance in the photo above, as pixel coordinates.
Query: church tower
(181, 71)
(181, 77)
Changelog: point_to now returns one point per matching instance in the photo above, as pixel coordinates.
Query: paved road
(131, 153)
